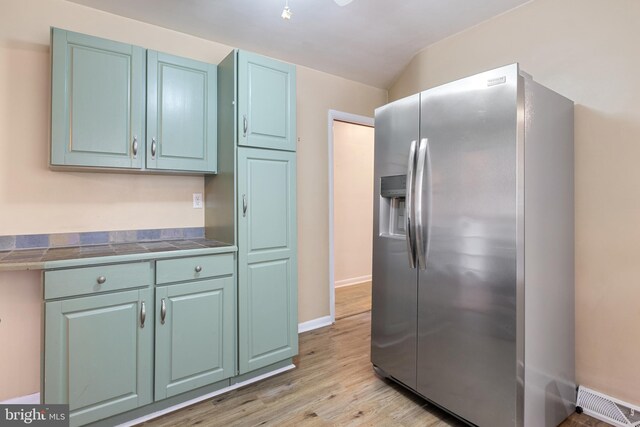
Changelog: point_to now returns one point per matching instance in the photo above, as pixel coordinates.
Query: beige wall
(317, 93)
(20, 332)
(36, 200)
(352, 202)
(588, 51)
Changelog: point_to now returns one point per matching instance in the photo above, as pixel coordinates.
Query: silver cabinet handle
(101, 280)
(245, 125)
(143, 314)
(408, 206)
(154, 146)
(421, 248)
(134, 146)
(163, 311)
(244, 205)
(198, 269)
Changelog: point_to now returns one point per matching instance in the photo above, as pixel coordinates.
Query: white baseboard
(32, 399)
(206, 396)
(310, 325)
(352, 281)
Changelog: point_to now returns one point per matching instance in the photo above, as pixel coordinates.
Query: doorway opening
(351, 143)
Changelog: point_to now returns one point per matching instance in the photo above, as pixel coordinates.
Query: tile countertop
(76, 256)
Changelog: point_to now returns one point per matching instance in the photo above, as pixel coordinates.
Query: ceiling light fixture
(286, 12)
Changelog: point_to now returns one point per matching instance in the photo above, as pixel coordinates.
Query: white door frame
(357, 120)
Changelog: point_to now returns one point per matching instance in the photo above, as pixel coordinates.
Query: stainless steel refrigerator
(473, 252)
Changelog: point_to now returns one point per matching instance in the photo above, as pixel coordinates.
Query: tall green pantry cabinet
(252, 202)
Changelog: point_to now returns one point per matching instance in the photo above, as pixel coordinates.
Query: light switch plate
(197, 200)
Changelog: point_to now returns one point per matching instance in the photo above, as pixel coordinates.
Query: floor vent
(607, 408)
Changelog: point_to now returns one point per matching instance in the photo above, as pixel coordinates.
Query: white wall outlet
(197, 200)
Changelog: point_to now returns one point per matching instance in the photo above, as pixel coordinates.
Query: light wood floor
(333, 385)
(353, 299)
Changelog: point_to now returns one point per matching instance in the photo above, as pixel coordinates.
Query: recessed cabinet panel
(194, 335)
(97, 98)
(181, 113)
(99, 123)
(96, 330)
(268, 292)
(268, 192)
(205, 308)
(267, 102)
(98, 354)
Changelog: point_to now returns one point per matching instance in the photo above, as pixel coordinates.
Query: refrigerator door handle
(422, 242)
(408, 206)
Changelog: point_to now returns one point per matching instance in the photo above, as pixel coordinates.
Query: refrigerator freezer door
(467, 294)
(394, 295)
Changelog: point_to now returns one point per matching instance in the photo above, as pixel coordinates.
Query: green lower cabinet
(99, 354)
(267, 267)
(195, 328)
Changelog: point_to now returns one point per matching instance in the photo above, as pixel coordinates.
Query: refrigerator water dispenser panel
(392, 208)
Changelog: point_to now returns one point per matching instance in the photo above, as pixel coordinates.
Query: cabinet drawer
(86, 280)
(197, 267)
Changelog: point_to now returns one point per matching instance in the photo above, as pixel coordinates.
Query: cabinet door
(97, 102)
(181, 114)
(267, 272)
(266, 102)
(195, 343)
(98, 354)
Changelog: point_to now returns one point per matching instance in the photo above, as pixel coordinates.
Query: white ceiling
(370, 41)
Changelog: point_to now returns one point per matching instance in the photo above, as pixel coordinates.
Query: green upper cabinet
(267, 271)
(181, 114)
(97, 102)
(266, 102)
(99, 354)
(114, 105)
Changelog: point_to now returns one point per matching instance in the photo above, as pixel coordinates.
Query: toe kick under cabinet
(121, 336)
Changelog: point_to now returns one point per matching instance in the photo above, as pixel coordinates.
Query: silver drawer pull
(143, 314)
(101, 280)
(198, 269)
(163, 311)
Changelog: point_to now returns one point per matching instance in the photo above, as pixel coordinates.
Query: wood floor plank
(353, 299)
